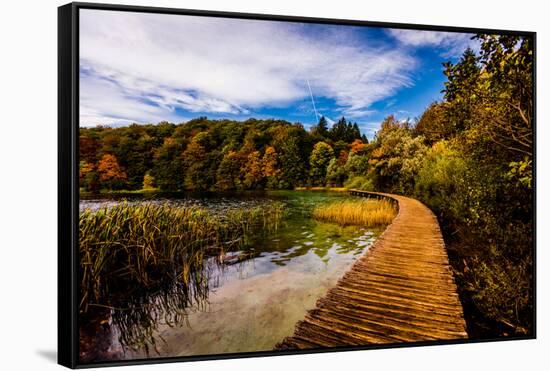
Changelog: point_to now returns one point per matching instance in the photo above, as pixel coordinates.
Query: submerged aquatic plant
(146, 264)
(368, 213)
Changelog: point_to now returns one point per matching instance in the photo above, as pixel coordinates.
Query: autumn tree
(168, 166)
(433, 124)
(252, 172)
(343, 158)
(110, 173)
(196, 166)
(270, 166)
(358, 147)
(88, 146)
(148, 182)
(88, 177)
(229, 172)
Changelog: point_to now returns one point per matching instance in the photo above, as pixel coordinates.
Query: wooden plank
(401, 290)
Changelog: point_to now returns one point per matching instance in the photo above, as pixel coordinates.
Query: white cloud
(453, 42)
(369, 128)
(330, 121)
(144, 67)
(102, 101)
(358, 113)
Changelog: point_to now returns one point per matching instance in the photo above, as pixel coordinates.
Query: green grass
(120, 191)
(331, 189)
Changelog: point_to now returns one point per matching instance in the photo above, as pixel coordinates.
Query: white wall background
(28, 155)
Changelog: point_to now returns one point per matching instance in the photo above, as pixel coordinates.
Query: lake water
(254, 304)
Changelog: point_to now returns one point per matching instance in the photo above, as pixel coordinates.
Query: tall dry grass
(368, 213)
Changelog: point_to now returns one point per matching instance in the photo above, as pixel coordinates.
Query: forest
(204, 154)
(468, 157)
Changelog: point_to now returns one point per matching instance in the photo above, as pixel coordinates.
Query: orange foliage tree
(253, 173)
(111, 174)
(358, 147)
(269, 166)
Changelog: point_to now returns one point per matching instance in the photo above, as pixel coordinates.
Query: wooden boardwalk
(401, 290)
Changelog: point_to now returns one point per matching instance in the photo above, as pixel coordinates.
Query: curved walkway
(401, 290)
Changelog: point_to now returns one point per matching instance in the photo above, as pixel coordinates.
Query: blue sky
(147, 68)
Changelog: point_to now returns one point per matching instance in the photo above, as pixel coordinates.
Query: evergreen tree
(321, 128)
(338, 130)
(356, 133)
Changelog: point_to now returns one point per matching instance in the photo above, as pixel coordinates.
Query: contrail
(312, 101)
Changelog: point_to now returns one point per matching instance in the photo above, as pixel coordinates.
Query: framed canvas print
(235, 185)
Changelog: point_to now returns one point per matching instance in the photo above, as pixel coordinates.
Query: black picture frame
(68, 191)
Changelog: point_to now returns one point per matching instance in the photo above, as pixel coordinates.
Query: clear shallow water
(254, 304)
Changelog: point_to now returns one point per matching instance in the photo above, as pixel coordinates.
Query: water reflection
(258, 293)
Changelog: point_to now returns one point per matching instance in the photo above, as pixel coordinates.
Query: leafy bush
(363, 183)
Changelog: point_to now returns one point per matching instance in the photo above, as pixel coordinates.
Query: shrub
(359, 182)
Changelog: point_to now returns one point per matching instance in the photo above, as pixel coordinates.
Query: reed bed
(145, 264)
(367, 213)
